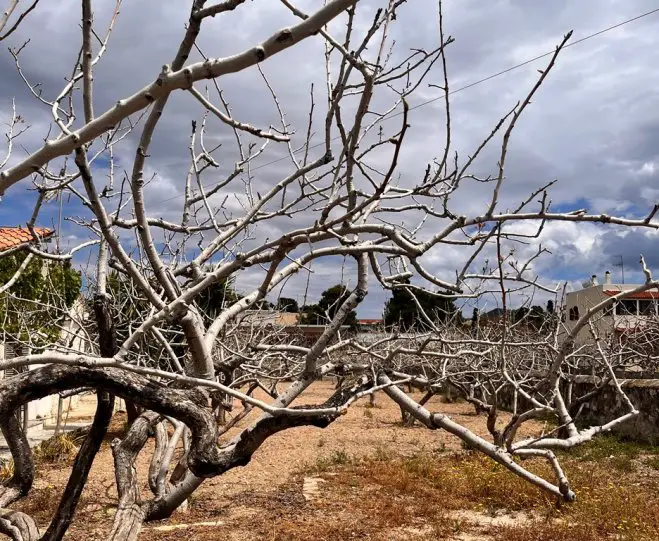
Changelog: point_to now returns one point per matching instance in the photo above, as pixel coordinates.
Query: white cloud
(648, 168)
(594, 125)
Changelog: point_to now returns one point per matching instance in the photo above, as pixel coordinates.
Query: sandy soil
(225, 507)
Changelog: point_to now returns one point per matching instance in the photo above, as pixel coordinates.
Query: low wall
(644, 394)
(608, 404)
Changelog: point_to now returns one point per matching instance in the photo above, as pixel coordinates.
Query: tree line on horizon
(402, 310)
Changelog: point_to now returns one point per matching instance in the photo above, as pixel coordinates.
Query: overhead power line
(469, 85)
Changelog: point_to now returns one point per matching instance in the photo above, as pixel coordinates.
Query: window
(13, 350)
(626, 307)
(646, 307)
(574, 313)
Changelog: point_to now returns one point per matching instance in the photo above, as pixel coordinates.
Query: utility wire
(469, 85)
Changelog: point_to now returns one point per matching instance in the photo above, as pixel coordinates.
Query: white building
(72, 337)
(627, 314)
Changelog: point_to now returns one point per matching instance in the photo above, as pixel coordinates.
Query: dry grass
(6, 469)
(380, 481)
(384, 494)
(61, 448)
(58, 449)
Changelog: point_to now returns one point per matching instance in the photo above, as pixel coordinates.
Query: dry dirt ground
(365, 477)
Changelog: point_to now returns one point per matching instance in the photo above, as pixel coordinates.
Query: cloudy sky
(594, 126)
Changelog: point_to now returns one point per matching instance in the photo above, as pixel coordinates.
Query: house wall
(45, 409)
(73, 337)
(584, 300)
(605, 323)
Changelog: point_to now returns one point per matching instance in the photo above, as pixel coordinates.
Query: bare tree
(183, 362)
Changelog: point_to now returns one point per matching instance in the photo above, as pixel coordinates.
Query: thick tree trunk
(18, 526)
(190, 406)
(162, 508)
(107, 340)
(132, 412)
(130, 512)
(162, 441)
(407, 418)
(80, 470)
(21, 482)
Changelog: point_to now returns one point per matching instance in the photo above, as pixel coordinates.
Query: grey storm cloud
(630, 247)
(594, 126)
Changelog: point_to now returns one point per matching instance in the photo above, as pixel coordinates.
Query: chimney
(607, 278)
(593, 280)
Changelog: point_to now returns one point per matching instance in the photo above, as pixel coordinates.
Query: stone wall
(607, 405)
(644, 394)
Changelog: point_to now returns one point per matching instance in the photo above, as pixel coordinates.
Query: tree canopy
(217, 297)
(285, 304)
(39, 299)
(533, 316)
(324, 311)
(129, 303)
(401, 309)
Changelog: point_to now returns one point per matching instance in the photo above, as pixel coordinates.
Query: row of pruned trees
(173, 343)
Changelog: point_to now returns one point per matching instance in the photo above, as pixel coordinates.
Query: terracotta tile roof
(650, 294)
(11, 237)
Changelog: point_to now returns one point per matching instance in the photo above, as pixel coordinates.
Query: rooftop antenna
(621, 264)
(59, 221)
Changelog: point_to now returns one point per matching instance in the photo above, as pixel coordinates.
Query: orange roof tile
(648, 294)
(12, 237)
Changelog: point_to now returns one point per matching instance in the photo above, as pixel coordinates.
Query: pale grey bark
(167, 82)
(153, 343)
